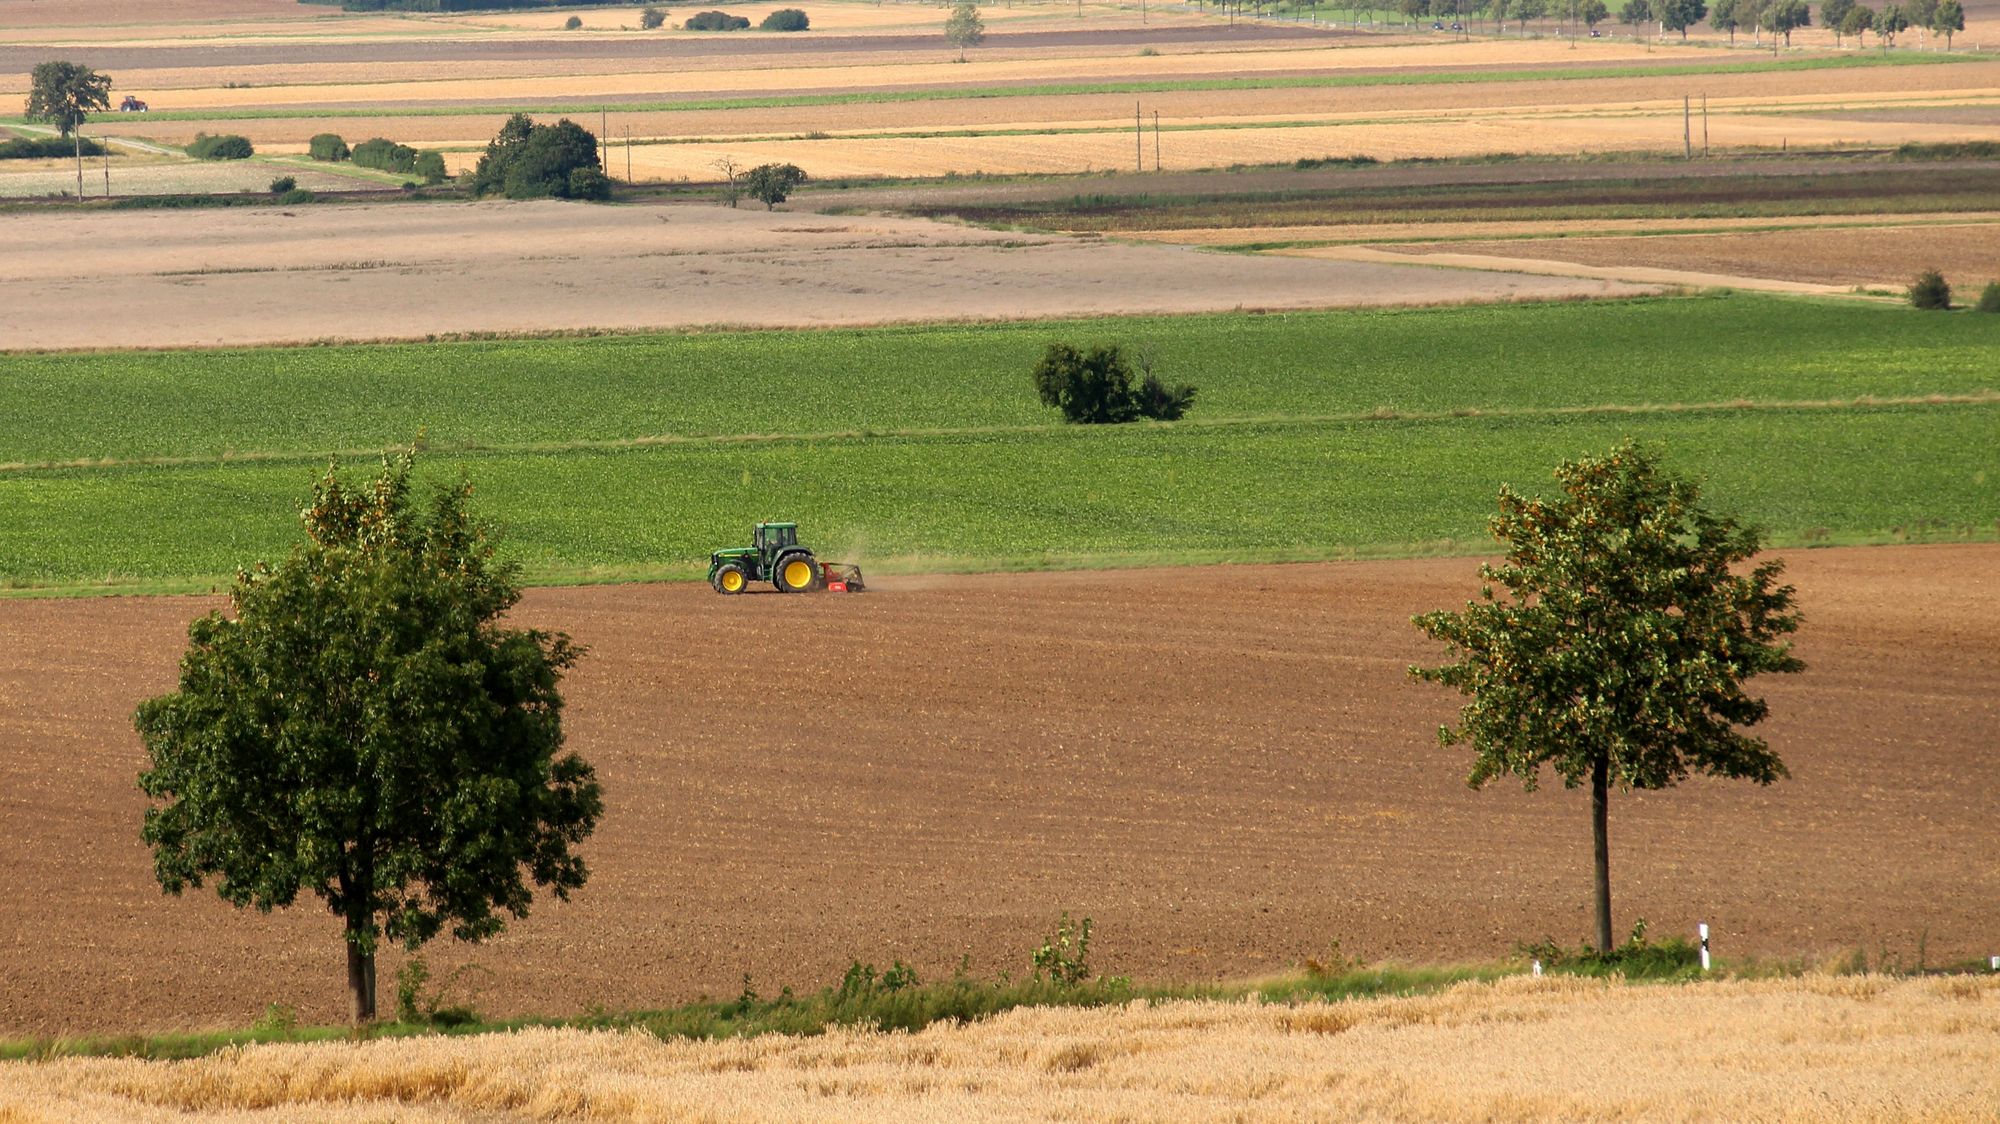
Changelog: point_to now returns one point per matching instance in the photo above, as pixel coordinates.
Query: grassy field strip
(1275, 82)
(468, 450)
(127, 406)
(1830, 1049)
(1037, 499)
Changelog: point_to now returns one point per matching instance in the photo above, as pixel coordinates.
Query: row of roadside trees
(1778, 18)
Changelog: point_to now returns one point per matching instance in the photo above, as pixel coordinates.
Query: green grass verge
(1317, 435)
(1066, 89)
(852, 1004)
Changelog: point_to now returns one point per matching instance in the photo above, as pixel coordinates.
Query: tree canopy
(361, 728)
(772, 184)
(65, 95)
(1619, 647)
(963, 28)
(530, 161)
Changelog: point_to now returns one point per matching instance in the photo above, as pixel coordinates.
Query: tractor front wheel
(796, 573)
(731, 579)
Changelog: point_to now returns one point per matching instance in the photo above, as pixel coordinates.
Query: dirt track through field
(1225, 767)
(278, 274)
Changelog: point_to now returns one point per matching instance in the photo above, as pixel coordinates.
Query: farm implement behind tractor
(775, 555)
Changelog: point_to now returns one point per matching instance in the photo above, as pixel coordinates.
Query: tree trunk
(79, 165)
(1600, 829)
(360, 982)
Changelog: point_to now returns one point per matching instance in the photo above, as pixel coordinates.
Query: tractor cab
(770, 538)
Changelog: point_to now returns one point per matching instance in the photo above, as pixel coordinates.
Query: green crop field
(1316, 435)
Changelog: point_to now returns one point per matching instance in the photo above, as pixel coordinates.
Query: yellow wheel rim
(732, 581)
(798, 575)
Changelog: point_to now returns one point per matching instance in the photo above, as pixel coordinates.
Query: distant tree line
(1779, 18)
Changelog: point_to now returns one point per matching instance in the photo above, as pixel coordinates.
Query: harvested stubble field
(1054, 92)
(1827, 1050)
(1888, 255)
(1225, 767)
(262, 275)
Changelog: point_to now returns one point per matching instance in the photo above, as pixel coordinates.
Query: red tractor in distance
(132, 105)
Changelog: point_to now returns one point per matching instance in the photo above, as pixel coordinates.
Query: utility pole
(1139, 136)
(1687, 128)
(604, 140)
(107, 171)
(1156, 140)
(1704, 126)
(628, 154)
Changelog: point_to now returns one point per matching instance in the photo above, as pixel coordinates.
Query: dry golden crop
(1820, 1049)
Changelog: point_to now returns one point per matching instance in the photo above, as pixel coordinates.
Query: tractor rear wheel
(796, 573)
(731, 579)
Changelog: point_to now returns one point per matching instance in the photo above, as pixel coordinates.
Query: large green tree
(1619, 648)
(361, 727)
(65, 95)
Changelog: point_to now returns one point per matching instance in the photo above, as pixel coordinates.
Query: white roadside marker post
(1704, 946)
(1538, 968)
(1996, 963)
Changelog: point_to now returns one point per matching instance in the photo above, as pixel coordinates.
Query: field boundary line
(652, 441)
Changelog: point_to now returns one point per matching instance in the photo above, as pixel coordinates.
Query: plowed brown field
(1892, 255)
(1227, 768)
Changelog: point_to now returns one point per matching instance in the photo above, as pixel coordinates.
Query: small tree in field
(963, 28)
(1930, 290)
(772, 184)
(360, 727)
(652, 19)
(65, 95)
(1989, 298)
(1619, 649)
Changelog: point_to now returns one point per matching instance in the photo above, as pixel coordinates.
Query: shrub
(297, 195)
(327, 147)
(46, 148)
(589, 183)
(1989, 298)
(283, 184)
(385, 155)
(715, 21)
(1929, 290)
(650, 19)
(786, 19)
(430, 165)
(572, 23)
(227, 146)
(1064, 958)
(1095, 387)
(772, 184)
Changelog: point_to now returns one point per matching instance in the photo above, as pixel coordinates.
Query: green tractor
(774, 555)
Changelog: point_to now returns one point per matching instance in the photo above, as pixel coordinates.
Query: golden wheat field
(1820, 1049)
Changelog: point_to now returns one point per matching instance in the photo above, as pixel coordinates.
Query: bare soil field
(1536, 233)
(1888, 255)
(1226, 767)
(403, 270)
(1854, 1049)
